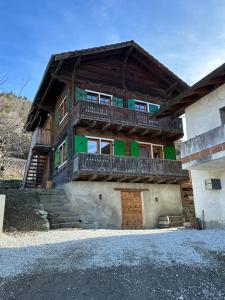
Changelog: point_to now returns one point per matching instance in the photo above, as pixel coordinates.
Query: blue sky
(188, 36)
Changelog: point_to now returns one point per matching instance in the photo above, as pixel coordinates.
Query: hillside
(15, 141)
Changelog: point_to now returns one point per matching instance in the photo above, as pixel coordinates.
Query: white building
(204, 151)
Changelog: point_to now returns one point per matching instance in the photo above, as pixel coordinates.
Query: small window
(157, 152)
(141, 106)
(144, 151)
(92, 97)
(63, 109)
(62, 153)
(105, 100)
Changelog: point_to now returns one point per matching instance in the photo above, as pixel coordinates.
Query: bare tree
(13, 109)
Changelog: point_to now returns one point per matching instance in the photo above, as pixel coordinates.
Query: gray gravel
(113, 264)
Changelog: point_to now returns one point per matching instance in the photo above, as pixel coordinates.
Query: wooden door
(131, 210)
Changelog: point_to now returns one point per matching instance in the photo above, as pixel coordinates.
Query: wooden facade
(93, 118)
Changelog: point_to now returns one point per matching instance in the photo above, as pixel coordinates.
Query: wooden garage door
(131, 210)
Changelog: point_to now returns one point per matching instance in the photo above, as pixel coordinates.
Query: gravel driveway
(113, 264)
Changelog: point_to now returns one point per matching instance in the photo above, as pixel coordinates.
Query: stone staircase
(57, 205)
(22, 206)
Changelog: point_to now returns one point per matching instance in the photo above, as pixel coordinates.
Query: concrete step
(65, 225)
(69, 219)
(60, 213)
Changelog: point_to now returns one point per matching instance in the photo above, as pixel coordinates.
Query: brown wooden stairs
(37, 163)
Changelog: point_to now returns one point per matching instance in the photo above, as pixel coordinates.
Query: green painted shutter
(80, 94)
(56, 158)
(134, 149)
(169, 152)
(66, 147)
(67, 103)
(153, 108)
(131, 103)
(119, 148)
(57, 118)
(117, 101)
(80, 144)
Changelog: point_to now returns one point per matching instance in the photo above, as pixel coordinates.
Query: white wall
(106, 212)
(2, 210)
(204, 114)
(211, 201)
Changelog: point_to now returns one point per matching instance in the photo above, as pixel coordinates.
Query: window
(157, 151)
(93, 146)
(92, 97)
(105, 99)
(99, 98)
(62, 110)
(145, 151)
(62, 153)
(100, 146)
(141, 106)
(222, 115)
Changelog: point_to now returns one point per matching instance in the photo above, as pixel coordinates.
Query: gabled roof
(206, 85)
(58, 60)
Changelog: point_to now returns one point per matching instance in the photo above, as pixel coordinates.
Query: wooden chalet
(93, 118)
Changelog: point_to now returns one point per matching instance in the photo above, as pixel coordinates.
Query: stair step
(69, 219)
(66, 225)
(59, 214)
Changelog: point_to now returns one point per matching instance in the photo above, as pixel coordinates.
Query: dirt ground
(113, 264)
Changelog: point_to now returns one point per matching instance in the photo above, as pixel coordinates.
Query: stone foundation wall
(23, 211)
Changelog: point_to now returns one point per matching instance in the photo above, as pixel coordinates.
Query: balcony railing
(124, 117)
(99, 164)
(203, 141)
(41, 137)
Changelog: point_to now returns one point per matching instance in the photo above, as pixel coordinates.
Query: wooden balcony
(99, 167)
(104, 117)
(41, 138)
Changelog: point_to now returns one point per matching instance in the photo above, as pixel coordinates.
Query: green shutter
(134, 149)
(153, 108)
(80, 144)
(119, 148)
(169, 152)
(131, 103)
(117, 101)
(67, 103)
(57, 118)
(80, 94)
(57, 158)
(66, 147)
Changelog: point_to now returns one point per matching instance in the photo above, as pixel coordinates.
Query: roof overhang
(176, 107)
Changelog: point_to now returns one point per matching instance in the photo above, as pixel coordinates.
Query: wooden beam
(120, 128)
(93, 124)
(146, 131)
(106, 126)
(108, 178)
(124, 67)
(124, 178)
(91, 178)
(136, 179)
(132, 130)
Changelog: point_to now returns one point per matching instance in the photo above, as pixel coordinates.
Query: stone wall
(23, 211)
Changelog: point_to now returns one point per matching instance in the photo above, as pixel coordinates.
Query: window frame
(151, 148)
(148, 104)
(99, 143)
(59, 147)
(99, 96)
(65, 111)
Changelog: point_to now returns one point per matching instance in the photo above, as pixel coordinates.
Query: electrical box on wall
(212, 184)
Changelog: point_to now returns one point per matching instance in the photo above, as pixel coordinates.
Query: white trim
(148, 103)
(63, 118)
(151, 147)
(61, 144)
(62, 100)
(94, 92)
(62, 164)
